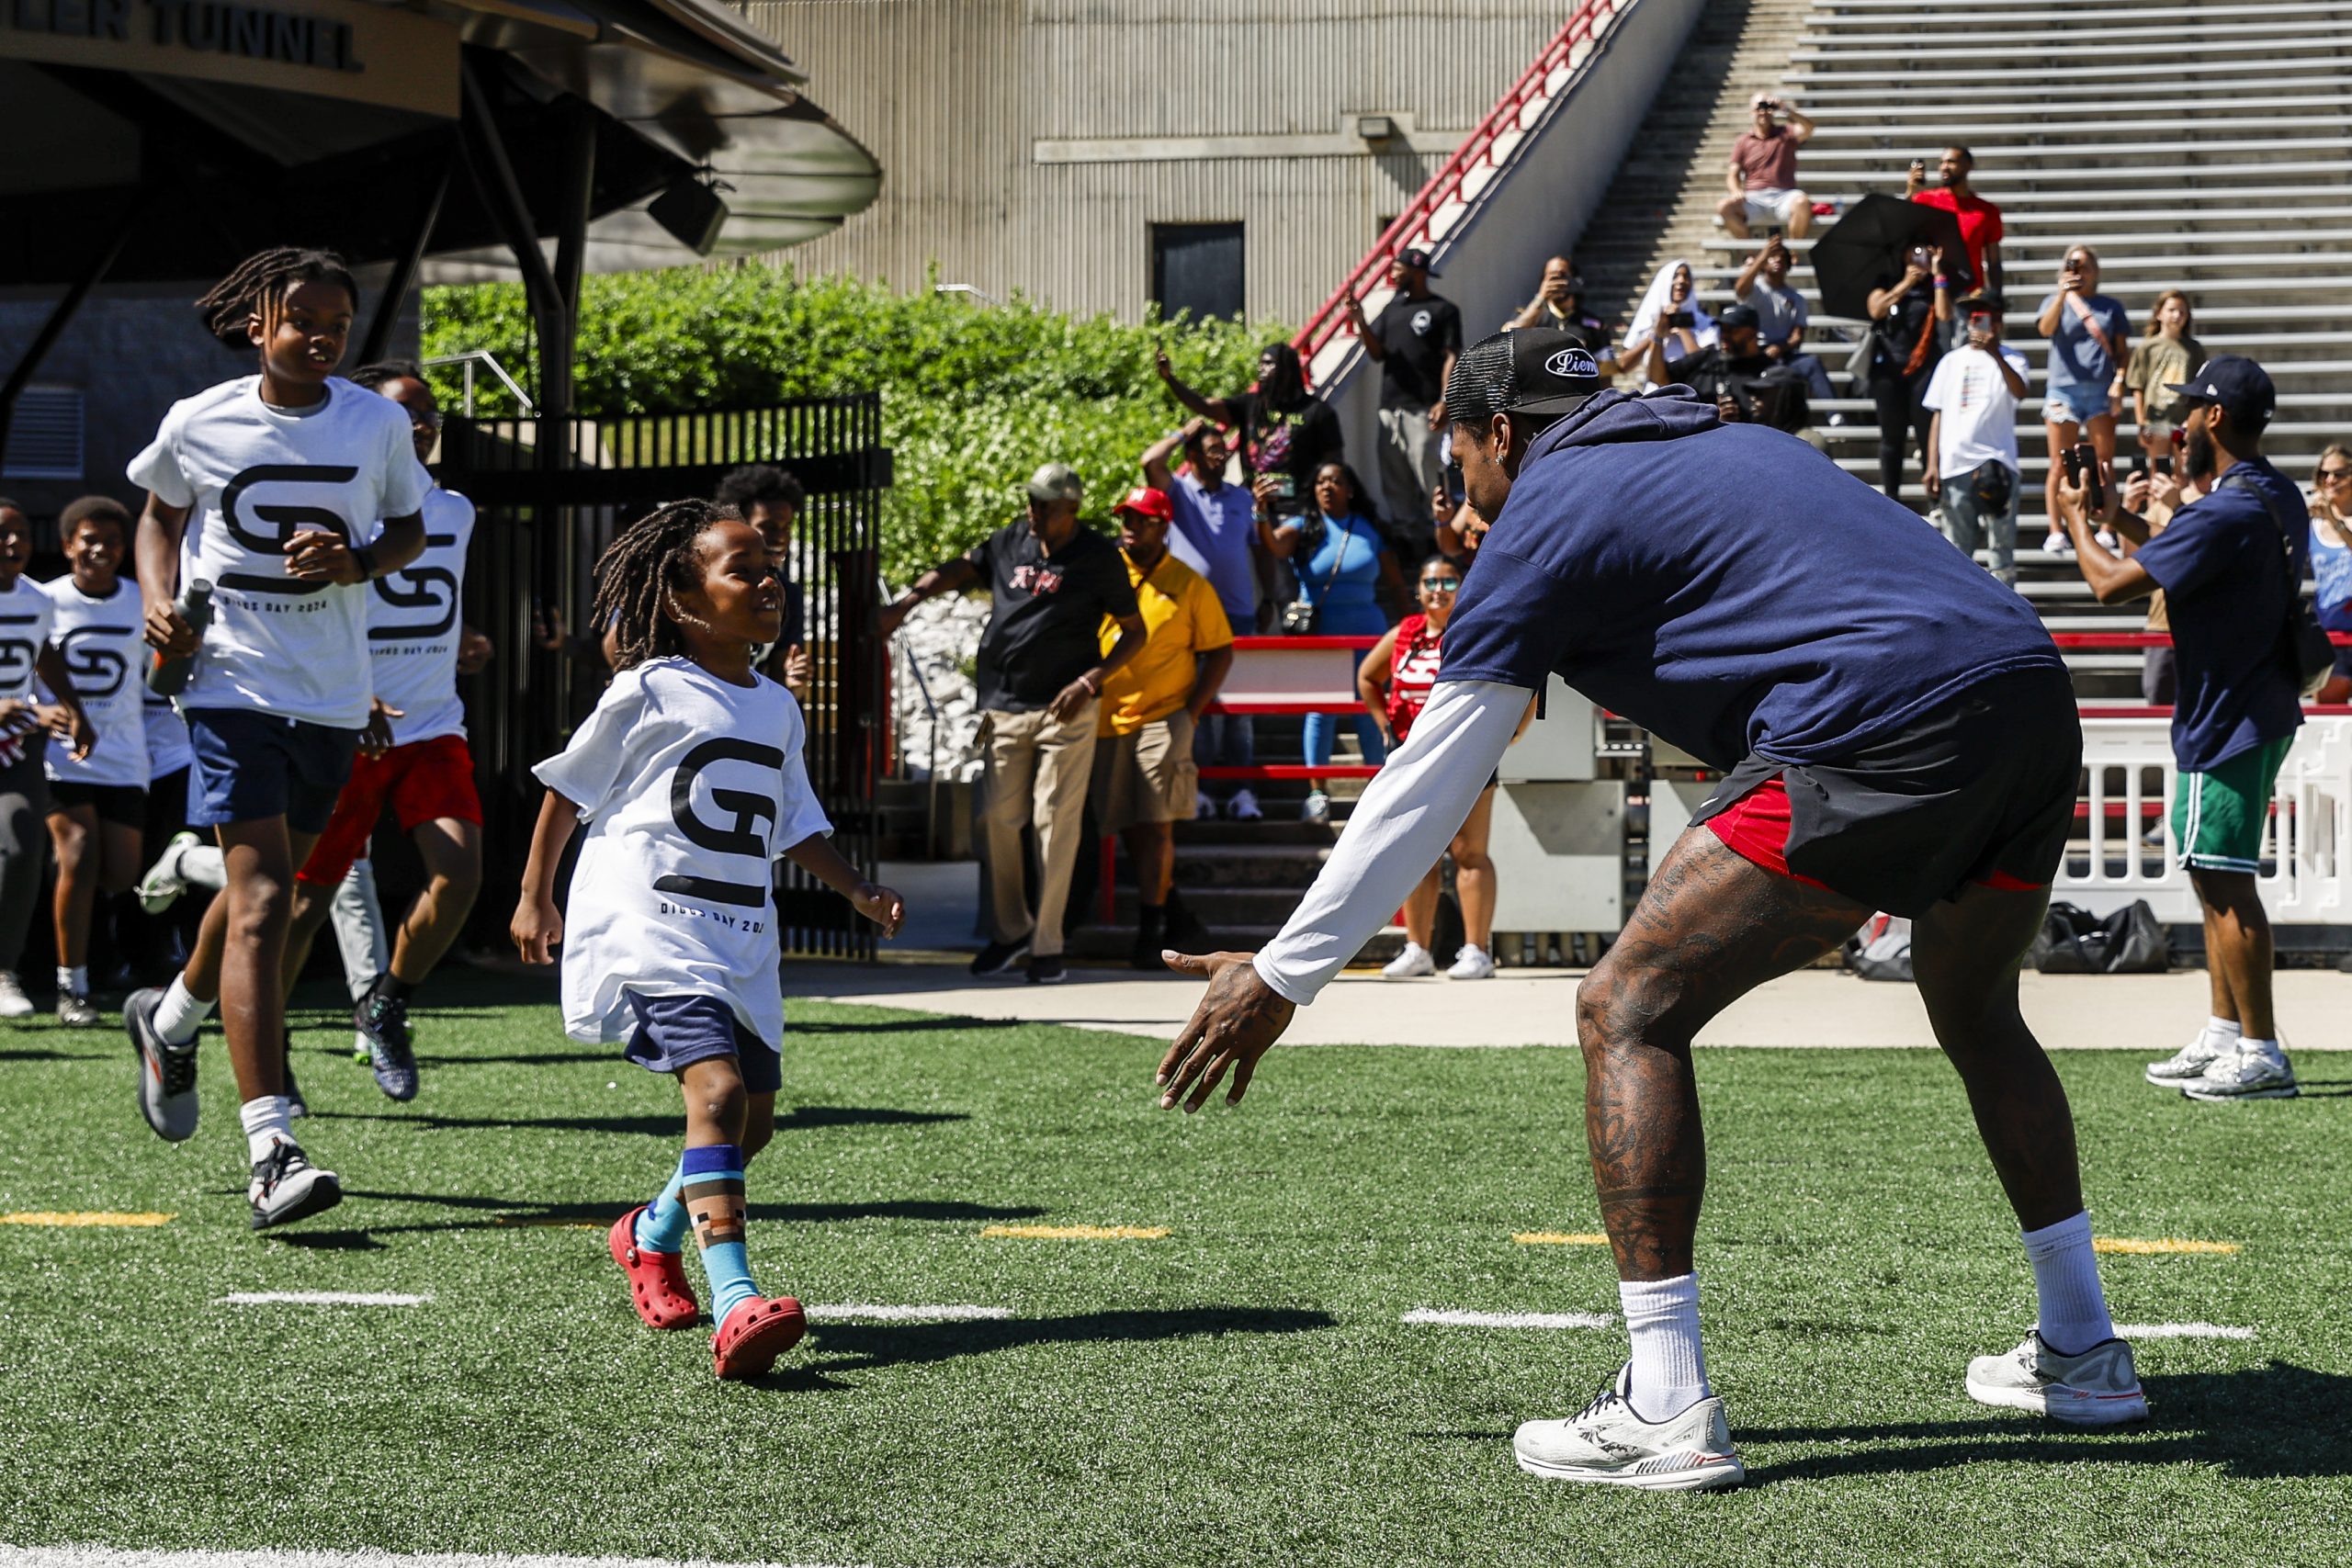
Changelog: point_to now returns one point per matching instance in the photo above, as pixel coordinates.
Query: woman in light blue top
(2090, 341)
(1343, 562)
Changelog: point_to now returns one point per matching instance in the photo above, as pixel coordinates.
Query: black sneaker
(295, 1104)
(1046, 971)
(999, 957)
(167, 1072)
(384, 1021)
(287, 1187)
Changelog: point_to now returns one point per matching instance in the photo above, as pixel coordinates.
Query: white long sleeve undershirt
(1415, 804)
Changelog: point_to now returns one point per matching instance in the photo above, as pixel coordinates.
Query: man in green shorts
(2229, 565)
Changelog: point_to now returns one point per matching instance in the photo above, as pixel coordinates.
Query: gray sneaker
(2184, 1064)
(382, 1021)
(2244, 1075)
(2097, 1388)
(166, 1073)
(14, 1003)
(1609, 1445)
(161, 886)
(78, 1011)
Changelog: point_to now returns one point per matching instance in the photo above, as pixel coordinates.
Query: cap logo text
(1571, 362)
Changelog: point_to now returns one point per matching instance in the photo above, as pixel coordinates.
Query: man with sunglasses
(1902, 738)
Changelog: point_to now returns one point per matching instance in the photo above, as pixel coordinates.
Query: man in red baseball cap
(1145, 780)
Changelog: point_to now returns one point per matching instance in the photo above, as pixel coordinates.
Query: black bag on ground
(2076, 941)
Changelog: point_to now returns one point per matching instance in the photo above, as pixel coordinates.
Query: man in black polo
(2231, 566)
(1900, 738)
(1414, 342)
(1052, 580)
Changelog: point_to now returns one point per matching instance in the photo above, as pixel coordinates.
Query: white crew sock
(2066, 1278)
(265, 1123)
(73, 981)
(181, 1013)
(1669, 1369)
(203, 865)
(2254, 1047)
(2224, 1033)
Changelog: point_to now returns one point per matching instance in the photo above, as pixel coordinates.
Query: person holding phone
(1286, 431)
(1668, 316)
(1762, 176)
(2163, 357)
(1972, 457)
(1979, 219)
(1905, 345)
(2089, 337)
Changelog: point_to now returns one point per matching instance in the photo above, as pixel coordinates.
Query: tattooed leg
(1711, 927)
(1965, 955)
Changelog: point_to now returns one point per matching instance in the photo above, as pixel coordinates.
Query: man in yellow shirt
(1145, 781)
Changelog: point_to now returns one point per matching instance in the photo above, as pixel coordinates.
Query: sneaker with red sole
(657, 1281)
(755, 1334)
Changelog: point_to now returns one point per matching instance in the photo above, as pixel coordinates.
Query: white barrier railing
(2129, 788)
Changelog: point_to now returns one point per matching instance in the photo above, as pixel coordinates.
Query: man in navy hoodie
(1900, 738)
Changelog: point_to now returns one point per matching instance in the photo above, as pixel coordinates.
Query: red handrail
(2146, 639)
(1324, 323)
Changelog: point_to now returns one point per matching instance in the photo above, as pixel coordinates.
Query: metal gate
(551, 493)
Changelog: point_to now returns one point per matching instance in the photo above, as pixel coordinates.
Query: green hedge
(974, 396)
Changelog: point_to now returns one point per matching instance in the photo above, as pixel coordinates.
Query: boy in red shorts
(426, 777)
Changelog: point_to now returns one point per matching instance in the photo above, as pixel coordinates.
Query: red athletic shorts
(1755, 828)
(422, 780)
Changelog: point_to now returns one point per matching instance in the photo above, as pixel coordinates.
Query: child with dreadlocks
(690, 779)
(288, 491)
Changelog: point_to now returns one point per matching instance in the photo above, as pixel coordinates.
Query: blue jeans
(1817, 378)
(1225, 741)
(1972, 528)
(1322, 731)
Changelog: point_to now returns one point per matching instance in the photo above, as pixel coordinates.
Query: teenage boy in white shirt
(1972, 439)
(288, 491)
(26, 726)
(97, 809)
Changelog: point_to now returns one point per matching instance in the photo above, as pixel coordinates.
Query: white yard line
(323, 1298)
(859, 1312)
(368, 1557)
(2180, 1331)
(1444, 1318)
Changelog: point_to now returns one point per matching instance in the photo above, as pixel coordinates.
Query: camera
(1682, 319)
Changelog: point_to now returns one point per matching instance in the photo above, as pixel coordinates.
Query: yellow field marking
(2163, 1244)
(1558, 1238)
(546, 1224)
(1078, 1232)
(85, 1217)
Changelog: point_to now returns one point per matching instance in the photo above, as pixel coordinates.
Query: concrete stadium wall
(1540, 206)
(1029, 144)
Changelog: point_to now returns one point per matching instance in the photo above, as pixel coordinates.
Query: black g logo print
(264, 526)
(98, 670)
(745, 835)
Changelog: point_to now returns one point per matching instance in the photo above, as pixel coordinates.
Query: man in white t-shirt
(26, 730)
(415, 639)
(290, 492)
(1972, 440)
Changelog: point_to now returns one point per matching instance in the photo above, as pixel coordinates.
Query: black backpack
(2076, 941)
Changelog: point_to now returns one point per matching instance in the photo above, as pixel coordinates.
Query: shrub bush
(973, 396)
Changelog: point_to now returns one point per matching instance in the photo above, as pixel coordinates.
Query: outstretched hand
(1237, 1022)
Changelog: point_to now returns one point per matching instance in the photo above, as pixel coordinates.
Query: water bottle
(168, 677)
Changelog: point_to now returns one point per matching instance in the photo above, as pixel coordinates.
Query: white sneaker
(2243, 1074)
(1471, 964)
(2097, 1388)
(163, 885)
(1409, 965)
(2059, 545)
(1610, 1444)
(14, 1003)
(2184, 1064)
(1205, 808)
(1244, 808)
(1317, 807)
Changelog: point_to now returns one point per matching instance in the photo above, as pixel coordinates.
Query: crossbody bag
(2313, 655)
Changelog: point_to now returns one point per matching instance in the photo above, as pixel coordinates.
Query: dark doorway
(1197, 269)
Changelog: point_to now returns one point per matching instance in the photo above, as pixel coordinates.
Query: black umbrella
(1868, 247)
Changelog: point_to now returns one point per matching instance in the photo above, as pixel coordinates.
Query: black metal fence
(551, 493)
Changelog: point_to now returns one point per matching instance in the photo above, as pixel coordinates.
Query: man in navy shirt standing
(2231, 566)
(1902, 739)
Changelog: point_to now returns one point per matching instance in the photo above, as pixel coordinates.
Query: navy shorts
(674, 1032)
(251, 765)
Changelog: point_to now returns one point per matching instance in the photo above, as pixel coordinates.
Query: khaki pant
(1037, 775)
(1147, 776)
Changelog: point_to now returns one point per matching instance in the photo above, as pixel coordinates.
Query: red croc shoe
(755, 1334)
(657, 1281)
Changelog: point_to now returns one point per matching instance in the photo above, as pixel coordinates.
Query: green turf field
(1239, 1391)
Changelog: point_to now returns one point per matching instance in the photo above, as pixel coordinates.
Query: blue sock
(661, 1224)
(712, 1189)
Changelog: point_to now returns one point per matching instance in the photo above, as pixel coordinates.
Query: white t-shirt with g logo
(252, 477)
(414, 625)
(105, 650)
(24, 617)
(690, 788)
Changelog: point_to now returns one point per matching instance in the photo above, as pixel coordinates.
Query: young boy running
(26, 725)
(288, 491)
(97, 809)
(690, 779)
(427, 777)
